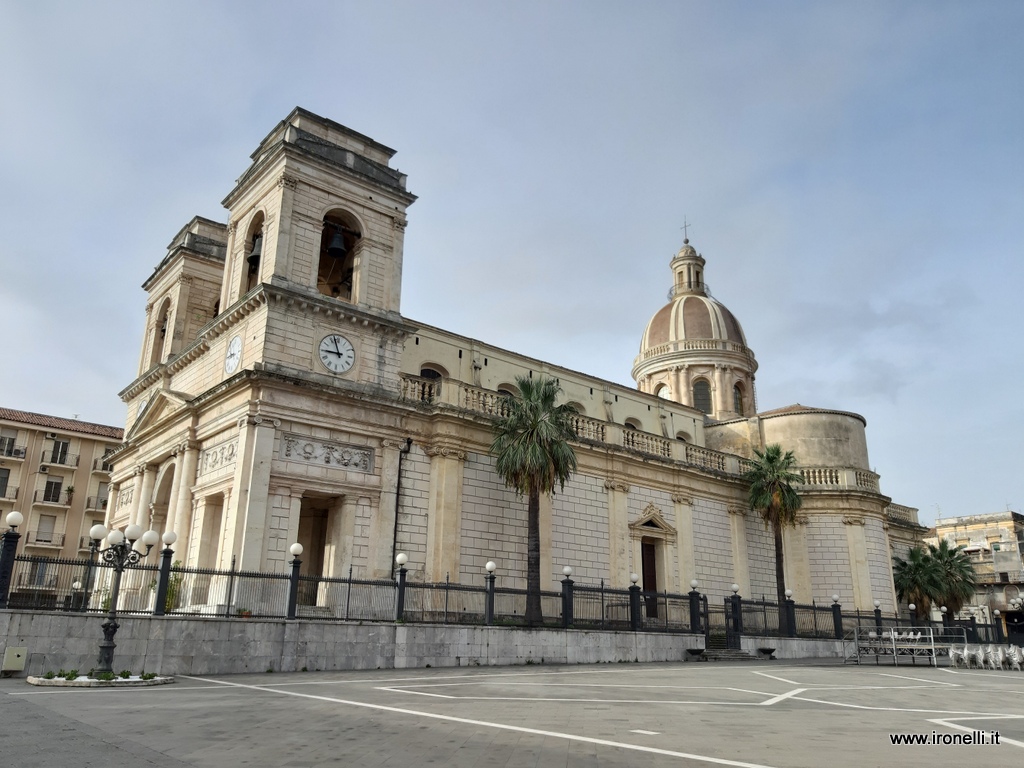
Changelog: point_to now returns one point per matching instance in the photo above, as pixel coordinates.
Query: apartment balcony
(36, 581)
(97, 503)
(9, 450)
(100, 465)
(59, 499)
(52, 459)
(1003, 577)
(45, 539)
(10, 493)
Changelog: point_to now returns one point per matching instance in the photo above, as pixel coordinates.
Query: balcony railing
(8, 450)
(96, 502)
(36, 580)
(101, 465)
(45, 539)
(49, 497)
(10, 493)
(59, 459)
(1011, 577)
(901, 513)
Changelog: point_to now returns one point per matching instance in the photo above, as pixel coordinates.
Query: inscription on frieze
(218, 457)
(315, 451)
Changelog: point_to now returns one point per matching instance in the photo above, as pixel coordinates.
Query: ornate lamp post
(120, 553)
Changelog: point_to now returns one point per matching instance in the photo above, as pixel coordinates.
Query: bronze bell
(257, 250)
(337, 249)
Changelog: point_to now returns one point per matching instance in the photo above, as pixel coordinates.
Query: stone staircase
(727, 654)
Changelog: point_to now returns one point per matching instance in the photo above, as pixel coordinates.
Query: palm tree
(772, 496)
(956, 575)
(918, 580)
(531, 445)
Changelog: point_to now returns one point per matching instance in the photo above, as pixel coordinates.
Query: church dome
(693, 350)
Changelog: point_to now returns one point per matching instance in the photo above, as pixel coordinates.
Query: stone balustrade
(901, 513)
(490, 403)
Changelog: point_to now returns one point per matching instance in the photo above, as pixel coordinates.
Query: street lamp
(120, 553)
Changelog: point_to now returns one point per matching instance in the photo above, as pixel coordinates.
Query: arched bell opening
(336, 274)
(253, 253)
(161, 334)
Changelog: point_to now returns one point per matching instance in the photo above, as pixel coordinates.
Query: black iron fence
(84, 585)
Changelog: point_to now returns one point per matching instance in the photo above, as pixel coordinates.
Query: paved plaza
(776, 714)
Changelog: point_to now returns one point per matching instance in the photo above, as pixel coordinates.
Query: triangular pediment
(164, 405)
(651, 521)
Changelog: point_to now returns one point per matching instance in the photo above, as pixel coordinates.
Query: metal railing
(59, 459)
(45, 538)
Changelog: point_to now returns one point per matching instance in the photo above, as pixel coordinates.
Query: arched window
(664, 392)
(737, 399)
(683, 436)
(253, 253)
(161, 334)
(578, 407)
(335, 275)
(702, 396)
(632, 424)
(432, 371)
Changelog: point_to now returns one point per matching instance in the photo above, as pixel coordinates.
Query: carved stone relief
(316, 451)
(218, 457)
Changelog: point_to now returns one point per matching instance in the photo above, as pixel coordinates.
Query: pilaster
(740, 557)
(798, 564)
(444, 512)
(683, 507)
(618, 533)
(859, 572)
(382, 519)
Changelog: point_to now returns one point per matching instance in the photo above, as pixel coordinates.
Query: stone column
(282, 247)
(683, 507)
(677, 385)
(145, 497)
(740, 557)
(444, 512)
(859, 571)
(382, 519)
(618, 533)
(135, 494)
(798, 563)
(722, 406)
(172, 497)
(188, 462)
(247, 514)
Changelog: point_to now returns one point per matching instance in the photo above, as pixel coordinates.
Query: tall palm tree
(917, 579)
(531, 445)
(956, 574)
(772, 496)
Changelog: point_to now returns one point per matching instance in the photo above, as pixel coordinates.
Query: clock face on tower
(336, 353)
(234, 355)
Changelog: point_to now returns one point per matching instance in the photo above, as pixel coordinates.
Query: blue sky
(850, 171)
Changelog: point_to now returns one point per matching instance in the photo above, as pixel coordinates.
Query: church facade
(282, 396)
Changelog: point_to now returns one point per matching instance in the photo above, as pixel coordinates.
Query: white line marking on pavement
(645, 733)
(782, 696)
(780, 679)
(1002, 739)
(485, 724)
(919, 680)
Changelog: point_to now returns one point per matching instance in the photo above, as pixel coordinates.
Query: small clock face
(234, 355)
(336, 353)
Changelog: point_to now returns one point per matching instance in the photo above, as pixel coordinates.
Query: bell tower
(320, 212)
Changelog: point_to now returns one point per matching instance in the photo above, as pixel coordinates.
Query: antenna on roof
(76, 416)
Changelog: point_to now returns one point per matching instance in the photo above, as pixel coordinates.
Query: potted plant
(69, 492)
(244, 613)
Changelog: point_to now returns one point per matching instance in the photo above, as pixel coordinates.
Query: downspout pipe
(398, 501)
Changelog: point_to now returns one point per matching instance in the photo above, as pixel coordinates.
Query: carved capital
(853, 520)
(398, 223)
(286, 180)
(398, 444)
(741, 511)
(185, 279)
(445, 451)
(616, 485)
(680, 498)
(802, 520)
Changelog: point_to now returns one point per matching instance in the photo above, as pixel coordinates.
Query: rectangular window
(60, 452)
(8, 437)
(47, 525)
(52, 491)
(5, 475)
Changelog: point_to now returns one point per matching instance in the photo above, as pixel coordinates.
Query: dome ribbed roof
(692, 317)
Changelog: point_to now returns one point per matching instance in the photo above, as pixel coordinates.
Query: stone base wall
(218, 646)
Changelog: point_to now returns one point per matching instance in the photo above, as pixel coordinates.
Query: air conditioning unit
(43, 469)
(51, 435)
(18, 453)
